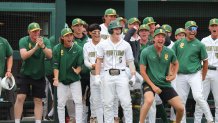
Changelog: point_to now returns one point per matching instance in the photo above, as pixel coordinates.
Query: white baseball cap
(8, 83)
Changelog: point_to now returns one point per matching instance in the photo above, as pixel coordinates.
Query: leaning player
(154, 67)
(89, 51)
(116, 54)
(211, 80)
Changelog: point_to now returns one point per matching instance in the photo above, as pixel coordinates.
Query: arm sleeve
(203, 52)
(9, 50)
(86, 60)
(22, 43)
(56, 58)
(174, 58)
(143, 57)
(80, 60)
(129, 54)
(100, 51)
(47, 43)
(129, 34)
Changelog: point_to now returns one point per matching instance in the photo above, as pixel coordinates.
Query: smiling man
(210, 82)
(191, 53)
(155, 63)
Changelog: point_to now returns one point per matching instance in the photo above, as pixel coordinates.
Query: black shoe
(48, 118)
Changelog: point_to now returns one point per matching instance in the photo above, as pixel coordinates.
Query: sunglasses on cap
(192, 28)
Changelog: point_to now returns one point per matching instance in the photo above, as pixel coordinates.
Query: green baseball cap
(213, 21)
(167, 28)
(34, 26)
(66, 31)
(133, 20)
(110, 11)
(190, 23)
(179, 30)
(148, 20)
(121, 19)
(77, 21)
(144, 27)
(159, 31)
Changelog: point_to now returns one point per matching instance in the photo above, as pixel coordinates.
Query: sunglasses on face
(96, 32)
(193, 28)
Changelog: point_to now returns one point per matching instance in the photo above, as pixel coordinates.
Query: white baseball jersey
(212, 50)
(115, 55)
(104, 31)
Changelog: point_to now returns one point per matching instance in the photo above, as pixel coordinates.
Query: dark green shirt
(66, 58)
(33, 67)
(81, 42)
(190, 55)
(5, 51)
(157, 67)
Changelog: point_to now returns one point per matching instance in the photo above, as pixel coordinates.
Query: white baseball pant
(118, 84)
(76, 92)
(183, 84)
(210, 83)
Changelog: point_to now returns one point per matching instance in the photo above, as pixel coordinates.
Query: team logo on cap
(214, 21)
(62, 52)
(192, 23)
(149, 19)
(166, 56)
(182, 45)
(35, 25)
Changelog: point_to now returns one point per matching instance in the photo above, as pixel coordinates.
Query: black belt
(212, 67)
(114, 72)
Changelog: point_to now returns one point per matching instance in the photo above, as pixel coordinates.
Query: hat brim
(161, 33)
(35, 29)
(192, 26)
(78, 24)
(67, 33)
(213, 24)
(135, 21)
(150, 23)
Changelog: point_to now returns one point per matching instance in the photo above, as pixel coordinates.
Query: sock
(162, 113)
(17, 120)
(38, 121)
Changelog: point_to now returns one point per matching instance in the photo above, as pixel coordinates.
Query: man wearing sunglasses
(191, 53)
(210, 82)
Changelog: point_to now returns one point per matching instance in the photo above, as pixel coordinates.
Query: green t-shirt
(189, 54)
(81, 42)
(66, 58)
(5, 51)
(157, 67)
(34, 65)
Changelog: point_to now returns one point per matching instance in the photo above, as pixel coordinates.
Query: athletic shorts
(27, 85)
(166, 94)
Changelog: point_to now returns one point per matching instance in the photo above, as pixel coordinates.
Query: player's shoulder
(3, 40)
(206, 39)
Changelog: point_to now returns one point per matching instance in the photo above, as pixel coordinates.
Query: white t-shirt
(114, 55)
(104, 31)
(212, 50)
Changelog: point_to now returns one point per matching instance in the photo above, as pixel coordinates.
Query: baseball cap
(33, 26)
(167, 28)
(144, 27)
(190, 24)
(159, 31)
(213, 21)
(77, 21)
(179, 30)
(133, 20)
(148, 20)
(110, 11)
(66, 31)
(121, 19)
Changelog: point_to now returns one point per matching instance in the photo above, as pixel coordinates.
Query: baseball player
(33, 50)
(190, 53)
(154, 67)
(159, 104)
(5, 64)
(109, 15)
(179, 33)
(89, 51)
(68, 58)
(116, 54)
(144, 33)
(211, 80)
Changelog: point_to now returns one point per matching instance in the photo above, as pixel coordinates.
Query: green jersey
(66, 58)
(34, 65)
(189, 54)
(157, 67)
(81, 42)
(5, 51)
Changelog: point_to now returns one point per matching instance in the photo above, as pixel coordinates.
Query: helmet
(8, 83)
(113, 24)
